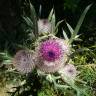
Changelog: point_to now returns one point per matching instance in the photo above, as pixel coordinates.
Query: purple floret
(50, 50)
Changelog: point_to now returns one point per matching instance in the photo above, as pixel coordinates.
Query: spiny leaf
(50, 15)
(57, 25)
(51, 19)
(40, 8)
(53, 24)
(65, 35)
(28, 21)
(80, 23)
(70, 28)
(34, 19)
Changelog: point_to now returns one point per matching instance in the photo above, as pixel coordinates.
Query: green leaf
(51, 15)
(5, 55)
(40, 9)
(70, 28)
(52, 19)
(57, 25)
(6, 62)
(28, 21)
(34, 19)
(65, 35)
(53, 24)
(77, 28)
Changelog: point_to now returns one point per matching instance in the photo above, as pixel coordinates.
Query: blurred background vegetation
(13, 36)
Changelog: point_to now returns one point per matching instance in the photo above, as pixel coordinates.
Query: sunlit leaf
(65, 35)
(50, 15)
(70, 28)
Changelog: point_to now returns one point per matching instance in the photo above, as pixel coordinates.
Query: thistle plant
(50, 58)
(52, 54)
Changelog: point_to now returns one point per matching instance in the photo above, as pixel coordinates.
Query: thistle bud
(69, 71)
(24, 61)
(44, 26)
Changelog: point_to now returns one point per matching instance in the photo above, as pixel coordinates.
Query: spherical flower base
(24, 61)
(52, 55)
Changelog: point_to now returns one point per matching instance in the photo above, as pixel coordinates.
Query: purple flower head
(52, 54)
(50, 50)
